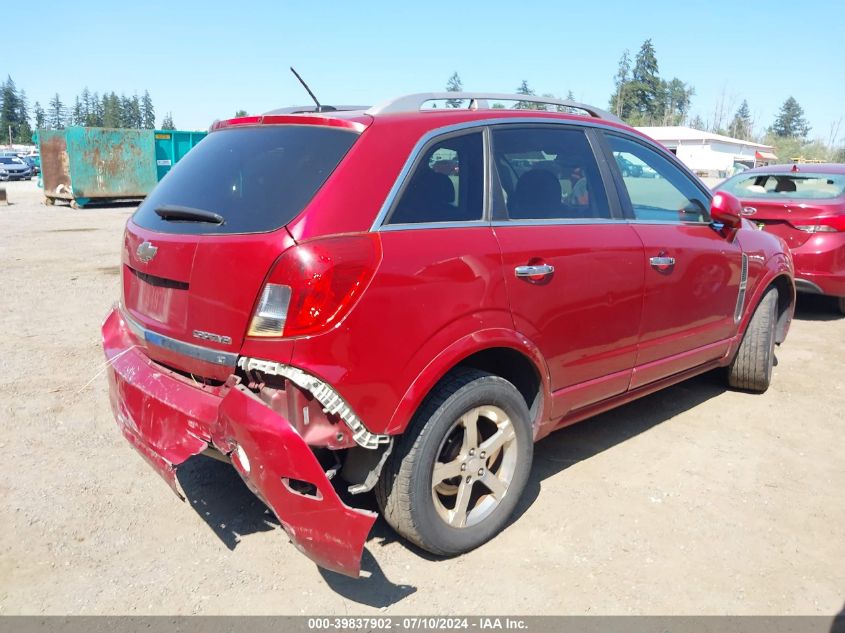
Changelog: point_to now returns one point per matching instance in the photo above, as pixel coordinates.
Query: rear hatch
(198, 249)
(792, 205)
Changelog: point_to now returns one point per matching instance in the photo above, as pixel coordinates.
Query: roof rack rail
(312, 109)
(481, 100)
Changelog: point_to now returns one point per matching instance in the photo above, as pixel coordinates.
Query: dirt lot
(693, 500)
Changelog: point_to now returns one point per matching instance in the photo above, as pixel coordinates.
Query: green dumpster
(171, 146)
(81, 164)
(85, 164)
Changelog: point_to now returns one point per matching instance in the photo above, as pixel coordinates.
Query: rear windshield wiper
(188, 214)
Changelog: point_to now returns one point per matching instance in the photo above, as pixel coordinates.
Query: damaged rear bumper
(168, 419)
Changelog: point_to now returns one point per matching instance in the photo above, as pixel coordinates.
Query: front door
(692, 272)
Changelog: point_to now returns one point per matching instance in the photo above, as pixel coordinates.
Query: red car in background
(805, 206)
(325, 324)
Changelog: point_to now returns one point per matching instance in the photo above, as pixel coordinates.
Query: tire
(751, 368)
(840, 302)
(427, 512)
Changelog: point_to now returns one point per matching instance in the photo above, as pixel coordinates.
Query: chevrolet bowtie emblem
(146, 251)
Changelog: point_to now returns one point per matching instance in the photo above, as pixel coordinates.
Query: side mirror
(726, 209)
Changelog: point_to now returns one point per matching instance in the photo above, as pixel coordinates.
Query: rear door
(573, 266)
(692, 273)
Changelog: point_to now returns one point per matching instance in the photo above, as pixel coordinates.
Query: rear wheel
(841, 304)
(751, 369)
(458, 471)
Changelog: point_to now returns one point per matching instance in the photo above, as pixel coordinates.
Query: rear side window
(257, 178)
(447, 184)
(798, 185)
(548, 173)
(658, 190)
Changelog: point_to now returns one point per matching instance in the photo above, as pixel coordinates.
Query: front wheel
(459, 469)
(751, 368)
(841, 304)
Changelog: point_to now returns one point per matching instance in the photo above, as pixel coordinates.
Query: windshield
(788, 185)
(10, 161)
(257, 178)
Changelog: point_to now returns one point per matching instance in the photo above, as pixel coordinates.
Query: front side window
(548, 173)
(447, 184)
(790, 185)
(658, 190)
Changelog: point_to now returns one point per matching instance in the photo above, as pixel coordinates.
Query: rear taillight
(830, 224)
(313, 285)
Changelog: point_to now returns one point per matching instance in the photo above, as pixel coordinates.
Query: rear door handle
(534, 271)
(662, 262)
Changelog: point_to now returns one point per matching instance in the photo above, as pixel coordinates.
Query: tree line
(641, 97)
(89, 109)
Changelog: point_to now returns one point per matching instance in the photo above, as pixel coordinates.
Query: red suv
(804, 205)
(324, 325)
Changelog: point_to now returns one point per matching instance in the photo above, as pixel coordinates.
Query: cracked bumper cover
(167, 419)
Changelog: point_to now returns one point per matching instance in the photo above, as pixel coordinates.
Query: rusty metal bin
(81, 164)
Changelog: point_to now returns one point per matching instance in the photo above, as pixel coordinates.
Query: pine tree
(111, 111)
(524, 89)
(740, 126)
(86, 107)
(40, 117)
(134, 117)
(647, 87)
(9, 111)
(77, 117)
(96, 118)
(148, 114)
(56, 113)
(24, 128)
(124, 108)
(454, 85)
(790, 122)
(167, 122)
(620, 102)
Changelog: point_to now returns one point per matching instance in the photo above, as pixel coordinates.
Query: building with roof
(710, 155)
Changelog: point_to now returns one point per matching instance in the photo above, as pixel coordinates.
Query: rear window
(257, 178)
(808, 186)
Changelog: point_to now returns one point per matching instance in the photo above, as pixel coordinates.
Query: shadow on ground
(587, 439)
(838, 625)
(817, 308)
(99, 204)
(219, 496)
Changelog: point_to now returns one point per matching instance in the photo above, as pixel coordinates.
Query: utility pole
(10, 136)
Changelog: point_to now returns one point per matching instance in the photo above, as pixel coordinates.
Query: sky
(204, 60)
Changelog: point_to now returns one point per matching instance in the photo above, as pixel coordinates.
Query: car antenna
(305, 85)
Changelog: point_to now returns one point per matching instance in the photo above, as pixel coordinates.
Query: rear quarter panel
(433, 288)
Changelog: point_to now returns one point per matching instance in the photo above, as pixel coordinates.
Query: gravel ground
(692, 500)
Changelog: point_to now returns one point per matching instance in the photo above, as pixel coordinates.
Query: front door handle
(540, 270)
(662, 262)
